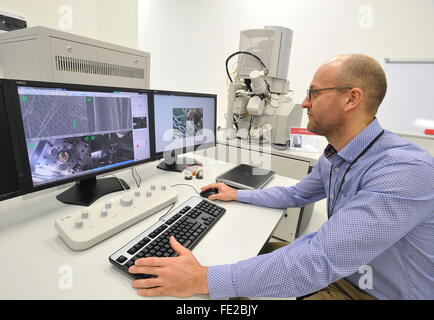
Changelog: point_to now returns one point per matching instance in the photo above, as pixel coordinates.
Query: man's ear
(354, 99)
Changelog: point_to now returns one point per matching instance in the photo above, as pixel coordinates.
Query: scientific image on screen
(184, 121)
(111, 148)
(49, 115)
(187, 122)
(77, 132)
(54, 159)
(140, 123)
(58, 158)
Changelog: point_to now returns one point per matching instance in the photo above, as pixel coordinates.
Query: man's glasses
(311, 91)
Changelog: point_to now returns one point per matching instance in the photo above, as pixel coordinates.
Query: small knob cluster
(126, 200)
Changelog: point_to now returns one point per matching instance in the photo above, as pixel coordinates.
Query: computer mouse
(209, 192)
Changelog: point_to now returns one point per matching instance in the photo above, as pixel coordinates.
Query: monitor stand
(87, 191)
(173, 163)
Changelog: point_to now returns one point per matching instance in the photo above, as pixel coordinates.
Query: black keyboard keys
(188, 226)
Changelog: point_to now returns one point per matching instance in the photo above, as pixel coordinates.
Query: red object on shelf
(429, 131)
(301, 131)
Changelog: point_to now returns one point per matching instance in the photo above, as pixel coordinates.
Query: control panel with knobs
(87, 227)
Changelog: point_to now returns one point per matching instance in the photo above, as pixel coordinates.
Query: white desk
(292, 164)
(36, 264)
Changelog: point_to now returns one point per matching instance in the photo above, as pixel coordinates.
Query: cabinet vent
(70, 64)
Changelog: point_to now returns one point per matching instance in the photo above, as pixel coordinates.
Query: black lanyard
(330, 211)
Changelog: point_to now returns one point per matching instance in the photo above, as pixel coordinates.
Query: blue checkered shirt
(380, 235)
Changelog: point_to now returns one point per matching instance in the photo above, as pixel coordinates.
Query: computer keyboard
(86, 227)
(188, 223)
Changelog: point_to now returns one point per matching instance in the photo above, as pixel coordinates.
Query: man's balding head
(364, 72)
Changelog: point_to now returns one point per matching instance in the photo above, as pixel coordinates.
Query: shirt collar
(356, 146)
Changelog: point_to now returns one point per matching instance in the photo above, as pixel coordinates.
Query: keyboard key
(187, 243)
(121, 259)
(130, 263)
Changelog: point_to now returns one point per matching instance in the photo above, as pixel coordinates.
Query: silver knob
(104, 212)
(127, 200)
(137, 193)
(148, 194)
(108, 205)
(163, 188)
(153, 187)
(85, 214)
(78, 223)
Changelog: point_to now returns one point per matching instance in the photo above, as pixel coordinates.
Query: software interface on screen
(71, 133)
(183, 121)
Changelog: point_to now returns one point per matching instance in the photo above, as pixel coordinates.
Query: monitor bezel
(10, 121)
(160, 155)
(27, 179)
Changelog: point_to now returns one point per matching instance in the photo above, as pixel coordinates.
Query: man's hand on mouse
(225, 193)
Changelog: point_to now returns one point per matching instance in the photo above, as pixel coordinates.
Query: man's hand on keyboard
(226, 193)
(181, 276)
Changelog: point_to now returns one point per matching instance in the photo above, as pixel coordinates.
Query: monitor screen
(72, 132)
(10, 185)
(183, 120)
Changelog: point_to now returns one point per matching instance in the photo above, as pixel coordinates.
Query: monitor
(10, 172)
(71, 132)
(183, 122)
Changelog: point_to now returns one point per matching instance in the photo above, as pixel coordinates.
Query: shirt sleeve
(308, 190)
(386, 208)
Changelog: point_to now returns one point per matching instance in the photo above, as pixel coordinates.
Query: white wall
(189, 40)
(107, 20)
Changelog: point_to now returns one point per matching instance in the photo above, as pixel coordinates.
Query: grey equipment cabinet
(45, 54)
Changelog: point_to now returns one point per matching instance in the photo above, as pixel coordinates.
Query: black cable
(249, 137)
(234, 121)
(184, 184)
(139, 182)
(171, 207)
(243, 52)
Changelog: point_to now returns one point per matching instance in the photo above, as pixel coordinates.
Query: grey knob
(137, 193)
(85, 214)
(104, 212)
(108, 205)
(153, 187)
(163, 188)
(127, 200)
(78, 223)
(148, 194)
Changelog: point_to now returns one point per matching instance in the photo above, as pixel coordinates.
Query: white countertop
(37, 264)
(311, 157)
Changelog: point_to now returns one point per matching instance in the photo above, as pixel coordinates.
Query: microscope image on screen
(187, 122)
(59, 158)
(54, 158)
(111, 148)
(140, 123)
(72, 134)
